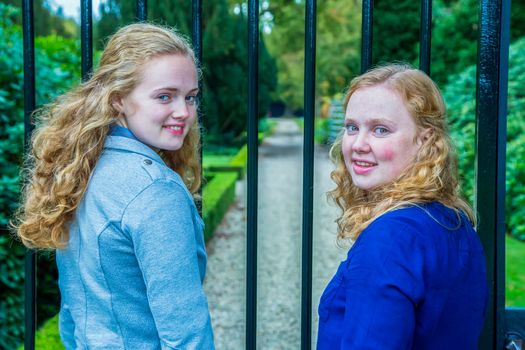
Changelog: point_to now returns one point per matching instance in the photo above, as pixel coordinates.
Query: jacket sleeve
(66, 328)
(160, 223)
(384, 284)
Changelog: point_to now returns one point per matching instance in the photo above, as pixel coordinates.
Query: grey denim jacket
(131, 275)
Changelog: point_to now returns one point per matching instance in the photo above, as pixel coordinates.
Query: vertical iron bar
(141, 11)
(29, 107)
(308, 173)
(196, 38)
(491, 112)
(86, 37)
(196, 13)
(425, 36)
(253, 112)
(367, 34)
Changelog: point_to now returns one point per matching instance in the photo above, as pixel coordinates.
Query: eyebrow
(373, 121)
(174, 89)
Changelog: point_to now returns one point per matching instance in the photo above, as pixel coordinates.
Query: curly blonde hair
(72, 130)
(431, 177)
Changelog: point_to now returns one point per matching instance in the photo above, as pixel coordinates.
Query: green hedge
(239, 160)
(218, 194)
(461, 103)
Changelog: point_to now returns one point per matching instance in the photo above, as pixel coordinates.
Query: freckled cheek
(346, 148)
(388, 153)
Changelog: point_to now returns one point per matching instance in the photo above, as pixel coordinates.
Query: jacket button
(147, 161)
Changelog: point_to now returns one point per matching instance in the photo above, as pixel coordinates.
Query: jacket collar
(131, 145)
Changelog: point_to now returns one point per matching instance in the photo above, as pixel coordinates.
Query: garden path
(279, 248)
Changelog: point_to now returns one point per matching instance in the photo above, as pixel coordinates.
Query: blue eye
(191, 99)
(164, 98)
(381, 131)
(351, 128)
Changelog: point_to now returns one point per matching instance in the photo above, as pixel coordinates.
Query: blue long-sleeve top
(414, 279)
(131, 275)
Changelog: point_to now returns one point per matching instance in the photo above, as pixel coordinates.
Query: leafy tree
(455, 35)
(338, 43)
(455, 38)
(47, 22)
(224, 59)
(396, 31)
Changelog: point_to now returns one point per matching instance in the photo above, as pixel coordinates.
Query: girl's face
(381, 138)
(162, 108)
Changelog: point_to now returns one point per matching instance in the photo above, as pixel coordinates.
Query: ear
(117, 103)
(424, 135)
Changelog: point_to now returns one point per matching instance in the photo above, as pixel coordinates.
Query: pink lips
(176, 130)
(361, 167)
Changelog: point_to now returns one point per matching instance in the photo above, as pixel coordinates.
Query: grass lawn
(514, 272)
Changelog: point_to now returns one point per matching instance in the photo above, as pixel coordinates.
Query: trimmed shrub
(239, 160)
(217, 196)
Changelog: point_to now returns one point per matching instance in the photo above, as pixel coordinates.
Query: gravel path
(279, 248)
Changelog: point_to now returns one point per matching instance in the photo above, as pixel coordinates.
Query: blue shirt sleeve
(384, 284)
(160, 223)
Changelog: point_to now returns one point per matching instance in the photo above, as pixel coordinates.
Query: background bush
(461, 102)
(56, 70)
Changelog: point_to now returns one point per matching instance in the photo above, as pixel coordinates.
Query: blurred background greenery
(396, 35)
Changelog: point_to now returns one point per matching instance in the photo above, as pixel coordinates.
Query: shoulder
(426, 219)
(405, 229)
(129, 170)
(133, 163)
(417, 227)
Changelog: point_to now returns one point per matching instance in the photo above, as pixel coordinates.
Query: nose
(360, 143)
(181, 110)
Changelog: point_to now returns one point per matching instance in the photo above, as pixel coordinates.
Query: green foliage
(47, 22)
(396, 31)
(56, 70)
(455, 36)
(515, 278)
(11, 104)
(460, 98)
(48, 337)
(240, 160)
(218, 194)
(337, 46)
(322, 130)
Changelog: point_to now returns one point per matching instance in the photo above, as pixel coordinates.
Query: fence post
(425, 36)
(86, 38)
(252, 177)
(491, 123)
(29, 107)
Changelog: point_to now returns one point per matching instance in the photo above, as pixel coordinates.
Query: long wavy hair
(71, 133)
(431, 177)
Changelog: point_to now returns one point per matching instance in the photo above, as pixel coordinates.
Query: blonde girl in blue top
(415, 276)
(112, 173)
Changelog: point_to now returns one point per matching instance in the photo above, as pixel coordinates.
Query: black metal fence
(503, 326)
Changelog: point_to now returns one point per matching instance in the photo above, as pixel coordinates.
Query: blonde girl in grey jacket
(113, 168)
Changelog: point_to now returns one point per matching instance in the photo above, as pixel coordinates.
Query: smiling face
(380, 137)
(162, 107)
